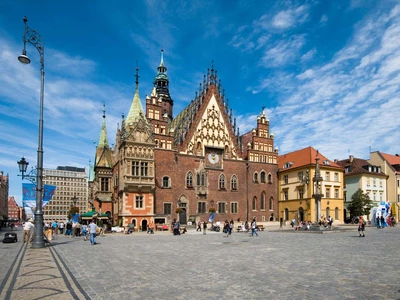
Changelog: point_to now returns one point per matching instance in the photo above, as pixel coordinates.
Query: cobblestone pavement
(278, 264)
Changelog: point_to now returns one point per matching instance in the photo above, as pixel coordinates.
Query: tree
(360, 204)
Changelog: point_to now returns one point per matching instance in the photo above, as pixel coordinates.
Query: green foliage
(212, 210)
(360, 204)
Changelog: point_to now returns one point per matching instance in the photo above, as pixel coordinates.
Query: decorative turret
(161, 85)
(136, 110)
(103, 152)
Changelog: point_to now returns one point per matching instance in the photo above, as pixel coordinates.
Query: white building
(71, 185)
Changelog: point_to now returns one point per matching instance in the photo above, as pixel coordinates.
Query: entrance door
(301, 214)
(144, 225)
(182, 216)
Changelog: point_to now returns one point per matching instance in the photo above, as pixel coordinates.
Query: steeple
(103, 140)
(161, 85)
(136, 110)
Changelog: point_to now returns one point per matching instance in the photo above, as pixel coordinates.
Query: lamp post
(74, 200)
(33, 37)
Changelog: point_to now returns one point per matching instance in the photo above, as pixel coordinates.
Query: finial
(263, 107)
(123, 116)
(162, 57)
(212, 66)
(104, 110)
(137, 75)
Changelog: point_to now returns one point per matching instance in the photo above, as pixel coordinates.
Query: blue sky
(326, 71)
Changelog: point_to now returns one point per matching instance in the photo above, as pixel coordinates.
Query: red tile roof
(391, 159)
(303, 157)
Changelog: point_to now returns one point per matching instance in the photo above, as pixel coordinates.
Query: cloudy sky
(326, 71)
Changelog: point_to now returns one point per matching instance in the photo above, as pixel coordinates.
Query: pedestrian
(69, 229)
(231, 224)
(253, 227)
(293, 222)
(383, 225)
(204, 227)
(361, 227)
(198, 226)
(226, 228)
(84, 231)
(92, 232)
(61, 227)
(28, 228)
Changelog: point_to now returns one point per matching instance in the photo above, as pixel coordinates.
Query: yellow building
(297, 188)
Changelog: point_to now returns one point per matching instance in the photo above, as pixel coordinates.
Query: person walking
(84, 231)
(198, 226)
(92, 232)
(361, 227)
(231, 224)
(28, 228)
(253, 227)
(204, 227)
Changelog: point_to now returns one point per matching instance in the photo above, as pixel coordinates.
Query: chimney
(336, 161)
(351, 158)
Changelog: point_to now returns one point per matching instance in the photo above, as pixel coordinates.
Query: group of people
(228, 226)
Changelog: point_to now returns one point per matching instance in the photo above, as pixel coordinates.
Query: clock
(213, 158)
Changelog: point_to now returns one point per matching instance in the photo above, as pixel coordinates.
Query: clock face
(213, 158)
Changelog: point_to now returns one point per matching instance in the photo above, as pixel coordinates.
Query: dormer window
(287, 165)
(326, 162)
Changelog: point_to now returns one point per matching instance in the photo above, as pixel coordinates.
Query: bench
(260, 227)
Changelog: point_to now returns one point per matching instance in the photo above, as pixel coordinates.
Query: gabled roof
(356, 166)
(303, 157)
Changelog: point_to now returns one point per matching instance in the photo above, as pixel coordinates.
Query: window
(269, 178)
(221, 182)
(301, 193)
(286, 214)
(262, 202)
(285, 195)
(374, 182)
(135, 168)
(234, 208)
(139, 202)
(255, 177)
(336, 177)
(201, 179)
(327, 176)
(262, 177)
(189, 180)
(234, 183)
(144, 167)
(165, 182)
(271, 203)
(327, 212)
(286, 179)
(167, 208)
(327, 193)
(336, 213)
(368, 182)
(336, 193)
(201, 207)
(104, 184)
(254, 206)
(221, 207)
(300, 176)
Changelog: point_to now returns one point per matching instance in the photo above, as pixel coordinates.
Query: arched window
(271, 203)
(221, 182)
(234, 183)
(262, 201)
(189, 180)
(166, 182)
(269, 178)
(262, 177)
(255, 177)
(201, 179)
(255, 203)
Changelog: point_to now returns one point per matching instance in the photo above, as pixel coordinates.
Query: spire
(162, 69)
(136, 110)
(103, 140)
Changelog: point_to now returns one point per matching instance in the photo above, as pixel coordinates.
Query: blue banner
(211, 218)
(75, 218)
(29, 194)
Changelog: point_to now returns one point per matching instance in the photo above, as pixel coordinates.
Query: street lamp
(317, 179)
(33, 37)
(74, 199)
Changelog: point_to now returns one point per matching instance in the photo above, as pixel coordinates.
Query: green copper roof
(136, 110)
(103, 140)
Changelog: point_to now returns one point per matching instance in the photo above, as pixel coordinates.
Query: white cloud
(323, 19)
(309, 55)
(291, 17)
(283, 51)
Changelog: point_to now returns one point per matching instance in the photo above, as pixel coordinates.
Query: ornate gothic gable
(211, 131)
